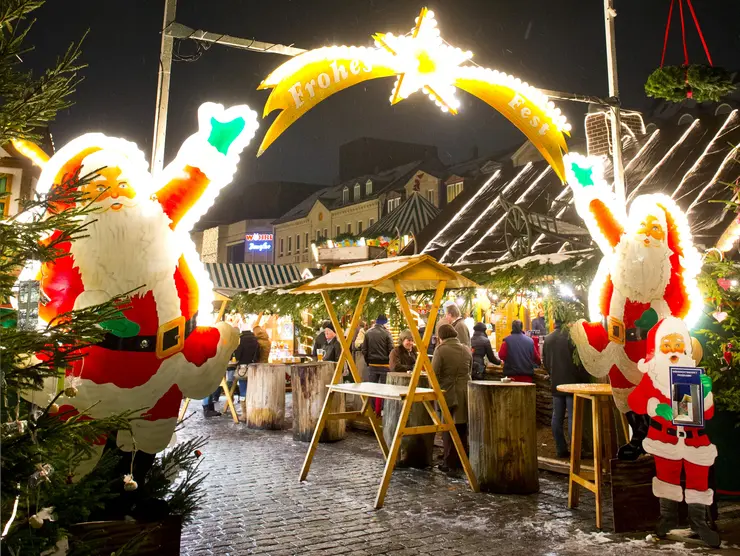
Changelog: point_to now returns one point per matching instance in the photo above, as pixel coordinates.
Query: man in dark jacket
(454, 318)
(376, 348)
(320, 340)
(332, 348)
(519, 354)
(481, 347)
(557, 358)
(247, 352)
(539, 325)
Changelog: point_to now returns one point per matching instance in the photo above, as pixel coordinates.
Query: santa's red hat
(668, 325)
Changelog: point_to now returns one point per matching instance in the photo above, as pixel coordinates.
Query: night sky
(551, 44)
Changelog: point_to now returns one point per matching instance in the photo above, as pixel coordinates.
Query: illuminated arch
(421, 60)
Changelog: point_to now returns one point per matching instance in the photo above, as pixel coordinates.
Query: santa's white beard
(127, 249)
(641, 273)
(658, 369)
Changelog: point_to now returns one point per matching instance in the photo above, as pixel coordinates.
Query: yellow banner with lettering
(422, 61)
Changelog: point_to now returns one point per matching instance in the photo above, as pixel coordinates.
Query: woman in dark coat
(481, 347)
(403, 356)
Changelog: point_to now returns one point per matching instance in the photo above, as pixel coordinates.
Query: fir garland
(699, 82)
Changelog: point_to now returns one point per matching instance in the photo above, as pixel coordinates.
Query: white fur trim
(651, 406)
(661, 489)
(699, 455)
(621, 396)
(149, 436)
(89, 298)
(703, 497)
(590, 357)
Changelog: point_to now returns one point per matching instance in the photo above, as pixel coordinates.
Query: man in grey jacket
(454, 318)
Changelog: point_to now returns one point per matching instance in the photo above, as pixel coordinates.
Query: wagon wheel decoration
(517, 233)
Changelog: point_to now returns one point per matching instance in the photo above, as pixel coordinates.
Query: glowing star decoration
(137, 240)
(421, 60)
(648, 273)
(428, 62)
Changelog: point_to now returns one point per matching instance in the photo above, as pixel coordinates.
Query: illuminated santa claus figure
(675, 447)
(158, 350)
(647, 273)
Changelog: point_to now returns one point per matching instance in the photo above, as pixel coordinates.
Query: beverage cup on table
(320, 354)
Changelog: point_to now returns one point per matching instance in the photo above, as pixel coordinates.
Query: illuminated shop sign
(259, 242)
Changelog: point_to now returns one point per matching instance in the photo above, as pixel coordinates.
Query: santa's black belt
(170, 336)
(672, 431)
(630, 334)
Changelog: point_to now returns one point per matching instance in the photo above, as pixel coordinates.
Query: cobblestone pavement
(256, 505)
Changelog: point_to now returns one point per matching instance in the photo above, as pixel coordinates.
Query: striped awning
(409, 218)
(245, 277)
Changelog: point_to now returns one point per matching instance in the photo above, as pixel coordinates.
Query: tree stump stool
(416, 450)
(502, 434)
(266, 395)
(310, 382)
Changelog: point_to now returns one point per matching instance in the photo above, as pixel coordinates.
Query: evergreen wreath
(699, 82)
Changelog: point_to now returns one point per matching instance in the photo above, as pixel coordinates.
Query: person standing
(539, 325)
(451, 363)
(454, 318)
(264, 342)
(557, 359)
(403, 356)
(332, 348)
(247, 352)
(376, 348)
(519, 354)
(320, 340)
(357, 352)
(481, 347)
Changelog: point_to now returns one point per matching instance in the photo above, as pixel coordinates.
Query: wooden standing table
(600, 396)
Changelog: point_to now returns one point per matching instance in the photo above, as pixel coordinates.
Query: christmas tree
(43, 491)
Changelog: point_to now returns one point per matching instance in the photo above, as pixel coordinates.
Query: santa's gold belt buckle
(173, 331)
(615, 330)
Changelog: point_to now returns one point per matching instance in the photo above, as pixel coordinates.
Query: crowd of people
(457, 357)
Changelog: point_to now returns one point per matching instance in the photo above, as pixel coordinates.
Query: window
(345, 195)
(349, 227)
(431, 197)
(359, 226)
(453, 190)
(369, 187)
(371, 222)
(281, 246)
(326, 233)
(4, 195)
(305, 246)
(357, 192)
(298, 243)
(290, 244)
(393, 204)
(339, 230)
(318, 236)
(235, 253)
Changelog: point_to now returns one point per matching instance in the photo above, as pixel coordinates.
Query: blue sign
(259, 242)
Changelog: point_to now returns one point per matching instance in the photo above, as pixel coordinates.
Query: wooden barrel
(502, 434)
(309, 392)
(266, 395)
(416, 450)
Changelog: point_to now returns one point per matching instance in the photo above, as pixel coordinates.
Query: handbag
(241, 371)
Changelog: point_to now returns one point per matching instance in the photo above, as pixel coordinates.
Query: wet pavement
(256, 505)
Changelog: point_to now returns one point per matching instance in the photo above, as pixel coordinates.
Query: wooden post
(416, 450)
(266, 396)
(309, 392)
(502, 433)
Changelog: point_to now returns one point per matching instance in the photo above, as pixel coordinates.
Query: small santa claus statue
(137, 240)
(647, 273)
(675, 447)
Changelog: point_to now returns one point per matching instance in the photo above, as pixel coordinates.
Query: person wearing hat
(376, 348)
(403, 356)
(320, 340)
(482, 349)
(451, 363)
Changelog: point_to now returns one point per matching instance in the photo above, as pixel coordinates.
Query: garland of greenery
(696, 81)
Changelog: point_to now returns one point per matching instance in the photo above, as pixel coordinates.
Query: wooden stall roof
(416, 273)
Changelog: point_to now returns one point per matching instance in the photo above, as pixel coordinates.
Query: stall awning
(409, 218)
(245, 277)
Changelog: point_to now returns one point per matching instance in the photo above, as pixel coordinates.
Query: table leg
(596, 408)
(575, 451)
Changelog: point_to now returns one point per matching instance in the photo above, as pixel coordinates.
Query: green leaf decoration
(583, 175)
(698, 82)
(648, 319)
(223, 134)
